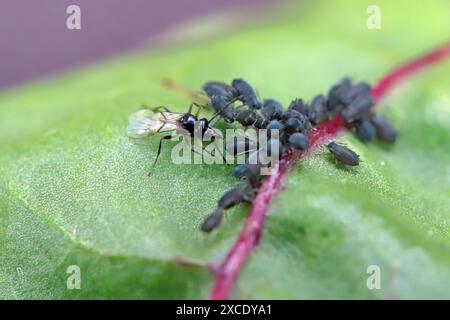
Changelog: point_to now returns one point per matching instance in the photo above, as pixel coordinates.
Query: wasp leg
(157, 109)
(210, 154)
(221, 153)
(159, 151)
(189, 145)
(199, 109)
(197, 105)
(165, 118)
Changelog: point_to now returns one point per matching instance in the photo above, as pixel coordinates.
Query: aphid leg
(189, 145)
(237, 99)
(221, 153)
(159, 151)
(234, 100)
(250, 191)
(215, 115)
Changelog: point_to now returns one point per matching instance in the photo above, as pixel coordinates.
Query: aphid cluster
(352, 102)
(292, 123)
(238, 102)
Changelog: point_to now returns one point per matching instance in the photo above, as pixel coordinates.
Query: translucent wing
(144, 123)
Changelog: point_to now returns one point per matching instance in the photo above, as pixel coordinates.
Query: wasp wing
(144, 123)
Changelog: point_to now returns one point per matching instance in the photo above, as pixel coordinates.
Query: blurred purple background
(35, 41)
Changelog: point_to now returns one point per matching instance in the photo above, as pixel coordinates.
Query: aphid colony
(239, 102)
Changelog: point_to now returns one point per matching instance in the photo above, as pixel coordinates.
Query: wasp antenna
(159, 108)
(171, 85)
(221, 110)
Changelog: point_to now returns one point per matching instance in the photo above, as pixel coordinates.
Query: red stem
(408, 69)
(227, 272)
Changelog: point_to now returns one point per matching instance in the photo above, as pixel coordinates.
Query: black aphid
(275, 148)
(343, 154)
(274, 125)
(222, 108)
(365, 130)
(293, 125)
(336, 93)
(272, 109)
(224, 90)
(232, 198)
(359, 89)
(303, 124)
(299, 141)
(246, 94)
(253, 178)
(385, 131)
(212, 221)
(246, 117)
(291, 113)
(241, 145)
(239, 171)
(299, 106)
(358, 108)
(319, 110)
(261, 122)
(227, 201)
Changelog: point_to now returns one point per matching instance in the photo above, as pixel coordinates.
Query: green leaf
(74, 189)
